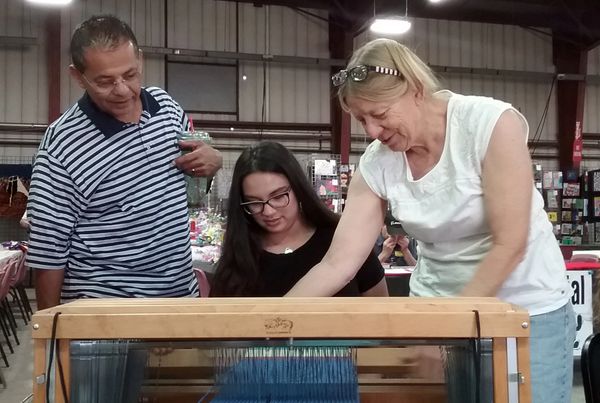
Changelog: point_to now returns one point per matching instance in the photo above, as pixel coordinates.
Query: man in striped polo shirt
(107, 203)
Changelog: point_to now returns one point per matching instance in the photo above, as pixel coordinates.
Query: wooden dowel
(65, 359)
(524, 368)
(500, 368)
(39, 371)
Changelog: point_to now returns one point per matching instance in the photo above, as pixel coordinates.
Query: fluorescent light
(391, 26)
(436, 1)
(51, 2)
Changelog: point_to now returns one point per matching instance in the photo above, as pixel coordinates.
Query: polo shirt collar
(108, 124)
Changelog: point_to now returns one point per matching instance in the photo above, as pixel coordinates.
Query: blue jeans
(551, 343)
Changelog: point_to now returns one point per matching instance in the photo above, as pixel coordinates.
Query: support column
(569, 59)
(53, 47)
(340, 47)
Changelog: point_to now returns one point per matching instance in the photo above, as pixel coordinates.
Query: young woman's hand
(403, 241)
(387, 249)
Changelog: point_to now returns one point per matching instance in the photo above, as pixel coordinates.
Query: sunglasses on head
(360, 73)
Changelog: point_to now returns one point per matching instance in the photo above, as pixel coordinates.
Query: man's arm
(48, 284)
(53, 209)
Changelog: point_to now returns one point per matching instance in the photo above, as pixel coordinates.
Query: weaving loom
(278, 349)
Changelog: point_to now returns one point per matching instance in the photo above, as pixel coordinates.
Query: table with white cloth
(7, 255)
(198, 260)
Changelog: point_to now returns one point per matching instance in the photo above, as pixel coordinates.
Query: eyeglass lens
(128, 80)
(277, 201)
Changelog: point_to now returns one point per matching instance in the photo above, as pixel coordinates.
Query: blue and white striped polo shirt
(108, 205)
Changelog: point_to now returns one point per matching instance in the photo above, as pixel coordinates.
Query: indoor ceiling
(578, 20)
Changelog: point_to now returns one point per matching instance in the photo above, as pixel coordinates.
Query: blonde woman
(456, 173)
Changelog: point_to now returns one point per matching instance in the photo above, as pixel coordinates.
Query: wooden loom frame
(285, 318)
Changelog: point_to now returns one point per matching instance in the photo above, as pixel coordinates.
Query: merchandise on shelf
(324, 174)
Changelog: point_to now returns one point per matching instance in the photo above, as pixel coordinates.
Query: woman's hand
(402, 242)
(387, 249)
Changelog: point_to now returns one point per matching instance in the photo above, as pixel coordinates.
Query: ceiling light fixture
(392, 25)
(50, 2)
(436, 1)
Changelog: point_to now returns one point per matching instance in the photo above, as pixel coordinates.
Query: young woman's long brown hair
(238, 271)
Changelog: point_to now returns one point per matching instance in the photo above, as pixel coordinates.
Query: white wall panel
(591, 118)
(250, 92)
(253, 29)
(593, 66)
(294, 93)
(148, 21)
(202, 24)
(469, 44)
(23, 89)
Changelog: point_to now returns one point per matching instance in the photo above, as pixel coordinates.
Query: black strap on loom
(53, 344)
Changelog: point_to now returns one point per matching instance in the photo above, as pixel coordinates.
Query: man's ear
(76, 75)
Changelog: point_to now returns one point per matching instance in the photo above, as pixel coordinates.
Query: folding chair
(590, 368)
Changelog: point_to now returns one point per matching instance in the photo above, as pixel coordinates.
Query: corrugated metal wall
(293, 93)
(487, 46)
(22, 69)
(23, 77)
(591, 118)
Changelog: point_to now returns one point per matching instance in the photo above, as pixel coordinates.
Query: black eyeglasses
(360, 73)
(280, 200)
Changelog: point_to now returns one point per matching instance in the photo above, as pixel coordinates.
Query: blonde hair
(388, 53)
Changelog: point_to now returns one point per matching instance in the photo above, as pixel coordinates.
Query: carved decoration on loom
(278, 326)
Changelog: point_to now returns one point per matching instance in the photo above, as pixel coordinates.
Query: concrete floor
(19, 374)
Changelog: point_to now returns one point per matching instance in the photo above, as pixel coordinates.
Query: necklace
(288, 250)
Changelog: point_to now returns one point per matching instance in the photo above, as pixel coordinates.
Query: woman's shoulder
(377, 157)
(376, 150)
(477, 107)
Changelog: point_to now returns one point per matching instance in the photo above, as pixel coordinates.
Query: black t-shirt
(279, 272)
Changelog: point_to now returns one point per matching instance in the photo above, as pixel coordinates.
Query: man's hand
(201, 160)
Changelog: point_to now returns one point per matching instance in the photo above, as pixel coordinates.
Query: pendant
(288, 250)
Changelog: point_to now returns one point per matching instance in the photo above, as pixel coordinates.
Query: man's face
(112, 78)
